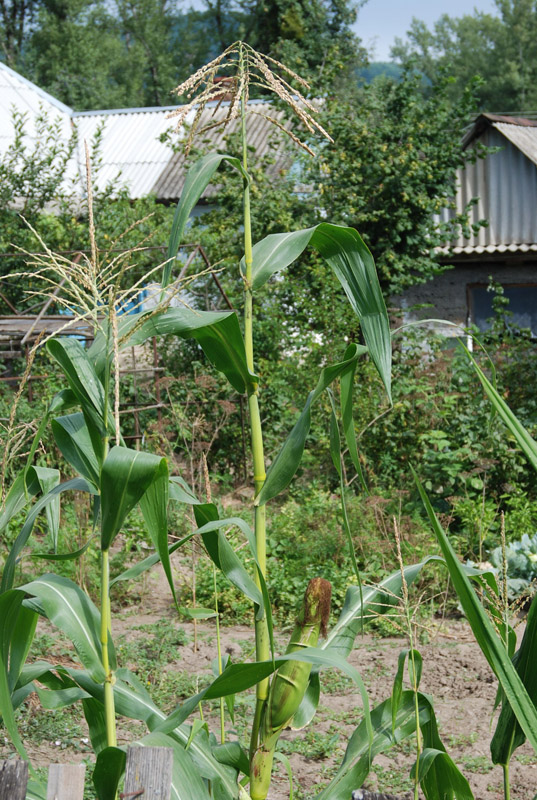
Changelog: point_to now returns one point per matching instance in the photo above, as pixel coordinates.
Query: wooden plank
(150, 769)
(13, 779)
(66, 782)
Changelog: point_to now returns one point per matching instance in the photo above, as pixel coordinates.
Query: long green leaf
(353, 265)
(79, 371)
(48, 480)
(73, 438)
(358, 758)
(71, 610)
(11, 619)
(491, 645)
(125, 477)
(508, 734)
(217, 332)
(527, 444)
(76, 484)
(154, 505)
(286, 463)
(22, 491)
(109, 769)
(198, 178)
(133, 701)
(347, 417)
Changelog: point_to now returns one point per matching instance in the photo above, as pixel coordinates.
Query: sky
(380, 21)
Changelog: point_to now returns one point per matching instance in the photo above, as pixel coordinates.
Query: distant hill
(377, 68)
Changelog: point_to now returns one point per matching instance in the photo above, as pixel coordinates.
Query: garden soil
(454, 673)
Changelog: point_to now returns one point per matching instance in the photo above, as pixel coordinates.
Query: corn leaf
(133, 701)
(490, 643)
(198, 178)
(154, 506)
(109, 769)
(79, 371)
(217, 332)
(358, 757)
(353, 265)
(76, 484)
(347, 417)
(186, 781)
(508, 734)
(72, 436)
(284, 466)
(71, 610)
(19, 629)
(125, 477)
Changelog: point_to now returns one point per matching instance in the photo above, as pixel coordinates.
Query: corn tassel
(289, 683)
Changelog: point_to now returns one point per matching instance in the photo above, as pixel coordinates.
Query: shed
(135, 148)
(505, 185)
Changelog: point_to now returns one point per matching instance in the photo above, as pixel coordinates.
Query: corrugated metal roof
(262, 136)
(131, 153)
(19, 93)
(505, 183)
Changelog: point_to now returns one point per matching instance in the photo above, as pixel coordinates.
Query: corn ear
(290, 682)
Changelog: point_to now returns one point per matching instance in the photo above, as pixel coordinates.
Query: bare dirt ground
(454, 673)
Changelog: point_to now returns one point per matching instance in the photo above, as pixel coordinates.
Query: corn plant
(84, 419)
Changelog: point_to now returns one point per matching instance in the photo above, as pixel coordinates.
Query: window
(522, 306)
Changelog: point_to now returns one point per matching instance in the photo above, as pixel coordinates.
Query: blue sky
(380, 21)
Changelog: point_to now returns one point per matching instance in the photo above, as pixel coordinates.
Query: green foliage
(499, 47)
(392, 169)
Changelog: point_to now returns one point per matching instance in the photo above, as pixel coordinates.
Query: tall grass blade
(154, 506)
(73, 438)
(109, 769)
(490, 643)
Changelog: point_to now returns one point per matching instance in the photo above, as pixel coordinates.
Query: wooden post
(150, 769)
(66, 782)
(13, 779)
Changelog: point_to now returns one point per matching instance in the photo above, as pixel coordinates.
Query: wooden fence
(148, 776)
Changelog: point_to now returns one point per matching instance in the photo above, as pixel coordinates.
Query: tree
(15, 18)
(501, 49)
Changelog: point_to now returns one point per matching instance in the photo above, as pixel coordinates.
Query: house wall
(447, 294)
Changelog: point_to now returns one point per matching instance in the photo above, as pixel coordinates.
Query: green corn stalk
(289, 683)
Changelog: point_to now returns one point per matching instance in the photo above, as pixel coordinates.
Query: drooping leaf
(125, 477)
(486, 637)
(527, 444)
(284, 466)
(154, 505)
(76, 484)
(508, 734)
(23, 490)
(353, 265)
(217, 332)
(109, 769)
(347, 417)
(72, 611)
(198, 178)
(96, 719)
(73, 438)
